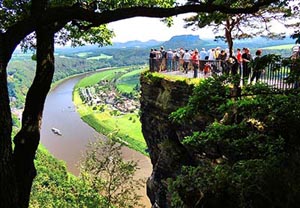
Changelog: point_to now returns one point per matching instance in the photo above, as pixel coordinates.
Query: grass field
(128, 126)
(101, 56)
(83, 54)
(128, 81)
(95, 78)
(280, 47)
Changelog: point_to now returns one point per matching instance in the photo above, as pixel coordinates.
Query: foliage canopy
(247, 156)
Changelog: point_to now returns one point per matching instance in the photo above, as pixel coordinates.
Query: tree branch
(51, 16)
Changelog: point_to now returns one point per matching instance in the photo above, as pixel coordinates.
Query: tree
(240, 26)
(244, 157)
(294, 24)
(106, 172)
(77, 21)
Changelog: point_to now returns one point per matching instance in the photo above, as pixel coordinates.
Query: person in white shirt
(169, 60)
(211, 55)
(186, 61)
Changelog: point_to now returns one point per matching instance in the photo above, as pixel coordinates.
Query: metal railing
(274, 78)
(277, 78)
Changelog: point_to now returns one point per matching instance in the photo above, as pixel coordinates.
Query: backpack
(177, 56)
(163, 54)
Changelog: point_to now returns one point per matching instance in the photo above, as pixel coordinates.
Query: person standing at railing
(169, 58)
(246, 56)
(257, 66)
(202, 55)
(186, 61)
(239, 59)
(157, 60)
(163, 58)
(222, 58)
(195, 62)
(176, 58)
(216, 57)
(210, 54)
(211, 59)
(181, 53)
(233, 65)
(217, 51)
(152, 60)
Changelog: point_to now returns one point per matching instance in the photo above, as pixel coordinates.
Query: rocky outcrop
(160, 97)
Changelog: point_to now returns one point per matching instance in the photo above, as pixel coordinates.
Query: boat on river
(56, 131)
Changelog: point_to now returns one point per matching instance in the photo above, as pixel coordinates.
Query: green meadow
(100, 57)
(89, 56)
(127, 82)
(280, 47)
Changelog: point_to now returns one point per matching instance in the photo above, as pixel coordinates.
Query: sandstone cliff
(160, 97)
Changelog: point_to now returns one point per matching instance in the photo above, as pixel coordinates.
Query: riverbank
(60, 112)
(107, 109)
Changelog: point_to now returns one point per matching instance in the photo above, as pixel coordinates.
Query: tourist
(257, 66)
(202, 56)
(163, 59)
(181, 52)
(152, 60)
(222, 58)
(246, 56)
(186, 61)
(211, 54)
(157, 60)
(233, 65)
(207, 69)
(217, 51)
(195, 62)
(176, 59)
(239, 59)
(169, 58)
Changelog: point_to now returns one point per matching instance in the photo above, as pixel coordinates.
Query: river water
(60, 113)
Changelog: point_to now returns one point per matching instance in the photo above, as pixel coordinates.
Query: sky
(145, 28)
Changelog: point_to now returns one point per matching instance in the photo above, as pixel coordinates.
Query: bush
(247, 157)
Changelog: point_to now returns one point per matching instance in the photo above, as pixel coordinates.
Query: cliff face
(160, 97)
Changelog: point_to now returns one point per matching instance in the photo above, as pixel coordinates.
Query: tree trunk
(228, 36)
(8, 188)
(27, 140)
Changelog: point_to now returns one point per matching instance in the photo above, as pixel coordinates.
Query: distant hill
(185, 41)
(260, 42)
(194, 41)
(136, 44)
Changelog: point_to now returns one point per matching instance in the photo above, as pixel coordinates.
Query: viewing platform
(276, 78)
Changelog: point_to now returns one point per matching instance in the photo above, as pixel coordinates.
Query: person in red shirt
(195, 62)
(246, 56)
(239, 59)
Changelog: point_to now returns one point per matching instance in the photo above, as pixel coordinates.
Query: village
(105, 93)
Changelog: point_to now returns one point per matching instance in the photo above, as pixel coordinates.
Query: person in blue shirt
(202, 56)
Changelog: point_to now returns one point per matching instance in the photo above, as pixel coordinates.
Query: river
(60, 113)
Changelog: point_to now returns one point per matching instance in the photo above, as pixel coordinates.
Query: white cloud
(145, 28)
